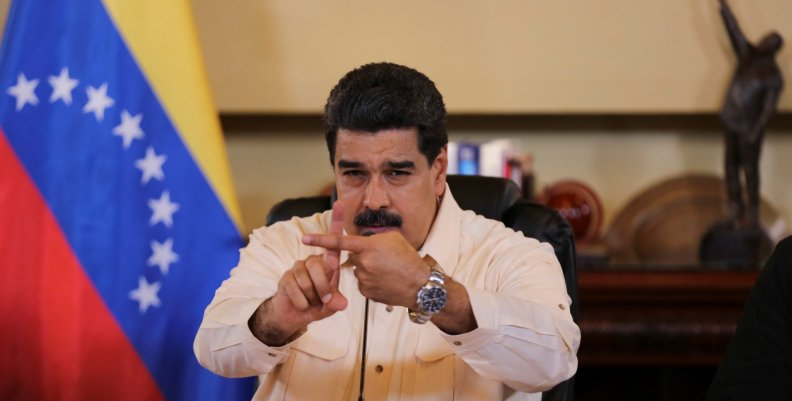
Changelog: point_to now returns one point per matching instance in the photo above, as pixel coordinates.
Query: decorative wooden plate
(665, 223)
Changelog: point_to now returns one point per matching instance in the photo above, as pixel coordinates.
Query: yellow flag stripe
(162, 37)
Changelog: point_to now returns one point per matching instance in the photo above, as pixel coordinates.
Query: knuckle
(316, 264)
(294, 296)
(310, 261)
(365, 260)
(297, 273)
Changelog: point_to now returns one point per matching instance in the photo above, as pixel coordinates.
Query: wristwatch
(431, 298)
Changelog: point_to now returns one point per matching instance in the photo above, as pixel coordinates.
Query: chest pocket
(326, 339)
(431, 345)
(319, 360)
(435, 367)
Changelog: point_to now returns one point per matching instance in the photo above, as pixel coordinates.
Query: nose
(376, 194)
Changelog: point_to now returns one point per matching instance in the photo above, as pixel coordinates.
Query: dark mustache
(377, 218)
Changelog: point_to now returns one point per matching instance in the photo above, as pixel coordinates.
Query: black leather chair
(498, 199)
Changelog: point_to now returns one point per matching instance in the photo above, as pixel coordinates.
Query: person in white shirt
(456, 306)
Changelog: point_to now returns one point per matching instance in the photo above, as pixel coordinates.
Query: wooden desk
(659, 318)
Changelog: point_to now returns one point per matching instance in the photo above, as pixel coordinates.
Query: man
(758, 362)
(455, 305)
(750, 102)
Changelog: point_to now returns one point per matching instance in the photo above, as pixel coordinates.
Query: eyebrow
(401, 164)
(349, 164)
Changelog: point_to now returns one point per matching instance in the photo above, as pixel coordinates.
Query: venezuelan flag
(117, 214)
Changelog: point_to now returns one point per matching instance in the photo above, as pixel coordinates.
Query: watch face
(433, 299)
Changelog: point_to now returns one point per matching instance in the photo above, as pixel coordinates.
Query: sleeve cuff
(485, 309)
(262, 357)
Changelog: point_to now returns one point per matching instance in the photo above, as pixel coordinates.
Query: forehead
(383, 145)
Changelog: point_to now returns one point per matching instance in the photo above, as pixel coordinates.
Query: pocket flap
(327, 339)
(431, 344)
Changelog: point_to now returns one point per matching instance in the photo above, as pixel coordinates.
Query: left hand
(389, 270)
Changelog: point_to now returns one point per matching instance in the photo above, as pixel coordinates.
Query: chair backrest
(495, 198)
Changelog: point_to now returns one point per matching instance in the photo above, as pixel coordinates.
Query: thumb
(337, 303)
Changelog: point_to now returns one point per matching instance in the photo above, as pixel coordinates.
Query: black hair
(382, 96)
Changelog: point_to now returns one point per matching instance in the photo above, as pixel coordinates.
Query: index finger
(333, 256)
(332, 242)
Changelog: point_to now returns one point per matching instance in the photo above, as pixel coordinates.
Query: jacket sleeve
(758, 361)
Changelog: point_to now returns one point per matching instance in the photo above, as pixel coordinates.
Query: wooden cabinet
(655, 335)
(659, 318)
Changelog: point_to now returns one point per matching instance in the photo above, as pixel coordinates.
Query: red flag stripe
(59, 340)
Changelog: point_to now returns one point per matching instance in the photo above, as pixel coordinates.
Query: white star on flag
(162, 210)
(146, 294)
(24, 91)
(151, 166)
(162, 255)
(98, 101)
(129, 128)
(62, 87)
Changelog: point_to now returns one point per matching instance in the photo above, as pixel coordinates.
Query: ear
(439, 168)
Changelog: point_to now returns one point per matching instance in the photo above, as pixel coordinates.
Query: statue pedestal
(726, 243)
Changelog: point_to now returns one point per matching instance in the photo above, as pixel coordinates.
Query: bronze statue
(750, 101)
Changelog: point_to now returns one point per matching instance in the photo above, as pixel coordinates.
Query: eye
(353, 173)
(398, 173)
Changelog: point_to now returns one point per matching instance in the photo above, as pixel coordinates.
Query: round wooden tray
(665, 223)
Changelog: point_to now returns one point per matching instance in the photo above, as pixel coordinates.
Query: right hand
(309, 290)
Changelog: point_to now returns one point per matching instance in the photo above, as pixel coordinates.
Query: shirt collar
(442, 243)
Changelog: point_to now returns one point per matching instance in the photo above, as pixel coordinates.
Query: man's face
(385, 183)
